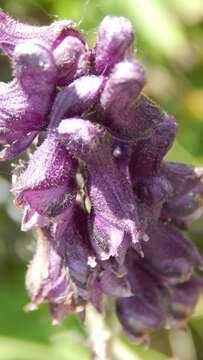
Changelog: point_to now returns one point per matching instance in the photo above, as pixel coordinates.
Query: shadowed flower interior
(109, 211)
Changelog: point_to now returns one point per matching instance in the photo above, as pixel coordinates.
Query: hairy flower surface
(107, 207)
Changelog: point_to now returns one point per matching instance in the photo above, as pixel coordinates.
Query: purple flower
(107, 207)
(115, 36)
(185, 202)
(12, 32)
(114, 215)
(48, 183)
(22, 113)
(47, 278)
(124, 111)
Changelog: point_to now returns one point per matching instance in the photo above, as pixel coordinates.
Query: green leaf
(15, 349)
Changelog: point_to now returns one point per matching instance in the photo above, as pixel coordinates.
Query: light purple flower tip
(71, 59)
(127, 115)
(115, 35)
(22, 111)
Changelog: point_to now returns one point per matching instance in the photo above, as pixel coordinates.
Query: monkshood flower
(22, 111)
(48, 183)
(107, 208)
(66, 44)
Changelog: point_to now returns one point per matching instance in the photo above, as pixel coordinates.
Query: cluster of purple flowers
(109, 211)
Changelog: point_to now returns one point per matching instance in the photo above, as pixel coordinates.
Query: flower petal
(12, 32)
(182, 300)
(115, 35)
(148, 153)
(46, 277)
(71, 59)
(114, 209)
(77, 98)
(185, 202)
(22, 111)
(169, 254)
(48, 183)
(138, 317)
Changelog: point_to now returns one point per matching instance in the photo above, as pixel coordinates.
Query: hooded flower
(185, 203)
(107, 207)
(128, 114)
(115, 36)
(66, 44)
(114, 216)
(48, 183)
(13, 32)
(22, 113)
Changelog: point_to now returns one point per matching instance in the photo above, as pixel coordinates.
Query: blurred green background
(169, 42)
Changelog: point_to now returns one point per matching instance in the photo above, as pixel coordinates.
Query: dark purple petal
(185, 202)
(122, 152)
(114, 286)
(148, 154)
(95, 293)
(114, 210)
(143, 284)
(48, 183)
(169, 254)
(17, 147)
(58, 312)
(115, 35)
(182, 299)
(127, 114)
(77, 98)
(152, 192)
(183, 177)
(22, 111)
(182, 210)
(138, 317)
(71, 232)
(106, 237)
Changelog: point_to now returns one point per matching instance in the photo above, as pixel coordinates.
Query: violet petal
(48, 183)
(12, 32)
(169, 254)
(115, 35)
(115, 212)
(76, 98)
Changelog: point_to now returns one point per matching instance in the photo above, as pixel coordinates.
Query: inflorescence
(108, 210)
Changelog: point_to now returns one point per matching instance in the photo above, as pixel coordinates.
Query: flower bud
(22, 110)
(127, 114)
(67, 56)
(115, 35)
